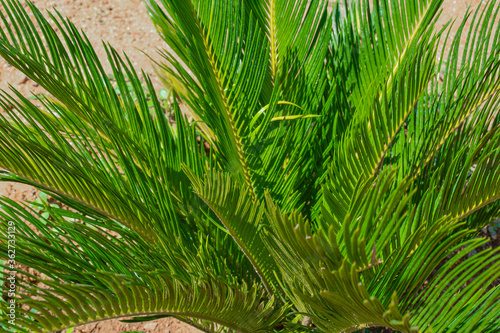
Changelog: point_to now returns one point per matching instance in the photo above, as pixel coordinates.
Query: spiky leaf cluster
(354, 157)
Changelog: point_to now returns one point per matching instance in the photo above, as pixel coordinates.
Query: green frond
(222, 64)
(339, 262)
(103, 151)
(388, 34)
(381, 275)
(458, 290)
(459, 99)
(370, 135)
(265, 155)
(352, 166)
(369, 47)
(93, 275)
(288, 26)
(242, 217)
(154, 296)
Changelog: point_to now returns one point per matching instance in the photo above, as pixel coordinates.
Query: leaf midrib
(229, 121)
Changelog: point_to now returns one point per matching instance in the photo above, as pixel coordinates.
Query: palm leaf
(243, 218)
(92, 275)
(91, 146)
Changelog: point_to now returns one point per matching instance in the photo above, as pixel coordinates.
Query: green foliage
(353, 161)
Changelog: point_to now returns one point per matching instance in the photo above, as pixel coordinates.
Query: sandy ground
(126, 26)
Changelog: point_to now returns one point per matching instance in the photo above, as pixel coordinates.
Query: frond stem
(243, 248)
(97, 209)
(272, 38)
(380, 162)
(217, 320)
(237, 140)
(451, 131)
(476, 208)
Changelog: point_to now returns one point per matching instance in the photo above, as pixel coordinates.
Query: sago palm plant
(354, 157)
